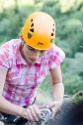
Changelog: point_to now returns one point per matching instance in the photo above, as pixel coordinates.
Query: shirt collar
(19, 58)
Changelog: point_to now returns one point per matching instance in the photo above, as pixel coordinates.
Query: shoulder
(9, 48)
(55, 56)
(7, 52)
(10, 43)
(56, 51)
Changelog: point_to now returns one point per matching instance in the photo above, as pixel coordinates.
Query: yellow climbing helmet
(39, 31)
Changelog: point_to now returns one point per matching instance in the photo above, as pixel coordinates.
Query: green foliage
(75, 64)
(78, 99)
(64, 45)
(73, 83)
(73, 74)
(71, 32)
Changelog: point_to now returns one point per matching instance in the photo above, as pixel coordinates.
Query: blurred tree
(73, 74)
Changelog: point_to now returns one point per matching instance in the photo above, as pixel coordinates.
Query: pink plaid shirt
(22, 79)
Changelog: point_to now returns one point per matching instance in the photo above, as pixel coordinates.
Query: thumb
(53, 104)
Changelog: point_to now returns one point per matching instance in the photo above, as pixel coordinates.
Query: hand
(31, 113)
(55, 105)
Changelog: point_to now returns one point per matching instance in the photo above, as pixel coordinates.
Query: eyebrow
(31, 47)
(34, 48)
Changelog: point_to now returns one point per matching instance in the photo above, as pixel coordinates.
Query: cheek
(26, 52)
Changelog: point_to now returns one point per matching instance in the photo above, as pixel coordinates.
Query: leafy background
(69, 34)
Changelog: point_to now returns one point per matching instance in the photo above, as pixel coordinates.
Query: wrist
(20, 111)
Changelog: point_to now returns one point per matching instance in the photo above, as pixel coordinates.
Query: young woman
(24, 64)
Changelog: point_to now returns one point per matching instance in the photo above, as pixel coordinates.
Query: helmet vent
(29, 35)
(32, 30)
(31, 20)
(32, 24)
(52, 40)
(52, 34)
(53, 30)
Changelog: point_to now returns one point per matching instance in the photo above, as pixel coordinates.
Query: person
(24, 64)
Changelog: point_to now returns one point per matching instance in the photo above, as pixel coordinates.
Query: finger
(35, 112)
(41, 106)
(53, 104)
(52, 116)
(30, 116)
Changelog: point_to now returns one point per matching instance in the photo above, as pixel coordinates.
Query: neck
(22, 51)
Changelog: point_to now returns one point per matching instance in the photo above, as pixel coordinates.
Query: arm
(57, 88)
(6, 106)
(10, 108)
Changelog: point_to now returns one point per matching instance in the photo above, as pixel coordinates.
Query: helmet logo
(39, 43)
